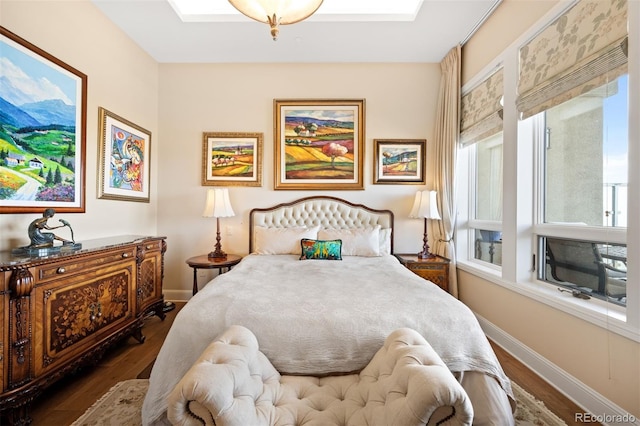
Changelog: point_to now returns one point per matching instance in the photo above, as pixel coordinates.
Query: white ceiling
(156, 28)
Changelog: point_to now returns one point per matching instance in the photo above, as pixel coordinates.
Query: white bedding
(324, 316)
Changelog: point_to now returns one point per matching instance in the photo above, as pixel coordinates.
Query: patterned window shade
(481, 111)
(584, 48)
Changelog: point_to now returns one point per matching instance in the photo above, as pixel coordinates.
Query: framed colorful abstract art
(232, 159)
(399, 161)
(124, 159)
(43, 114)
(319, 144)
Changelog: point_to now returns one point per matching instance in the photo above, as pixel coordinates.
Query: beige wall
(506, 24)
(595, 356)
(121, 78)
(194, 98)
(177, 102)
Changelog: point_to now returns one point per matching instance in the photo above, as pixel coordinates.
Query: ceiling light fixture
(277, 12)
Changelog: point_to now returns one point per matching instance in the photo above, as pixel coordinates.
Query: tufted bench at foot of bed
(234, 384)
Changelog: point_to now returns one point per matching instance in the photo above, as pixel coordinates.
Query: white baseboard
(597, 406)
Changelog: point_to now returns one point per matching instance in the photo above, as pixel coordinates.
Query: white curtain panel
(446, 140)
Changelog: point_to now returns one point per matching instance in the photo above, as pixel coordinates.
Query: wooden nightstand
(435, 270)
(203, 262)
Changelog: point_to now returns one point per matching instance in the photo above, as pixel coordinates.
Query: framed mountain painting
(43, 110)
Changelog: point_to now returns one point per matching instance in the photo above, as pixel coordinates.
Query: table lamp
(425, 206)
(218, 205)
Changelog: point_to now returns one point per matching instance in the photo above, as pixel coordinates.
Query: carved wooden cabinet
(435, 269)
(64, 310)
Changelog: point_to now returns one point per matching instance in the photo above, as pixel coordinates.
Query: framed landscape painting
(232, 159)
(319, 143)
(124, 159)
(399, 161)
(43, 110)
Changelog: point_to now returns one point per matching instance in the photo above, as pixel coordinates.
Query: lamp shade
(218, 204)
(286, 11)
(425, 205)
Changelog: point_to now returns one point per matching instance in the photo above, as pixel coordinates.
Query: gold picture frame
(319, 144)
(399, 161)
(232, 158)
(42, 150)
(124, 159)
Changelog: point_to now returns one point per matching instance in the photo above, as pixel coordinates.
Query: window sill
(596, 312)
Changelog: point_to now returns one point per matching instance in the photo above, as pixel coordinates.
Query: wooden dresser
(62, 311)
(435, 269)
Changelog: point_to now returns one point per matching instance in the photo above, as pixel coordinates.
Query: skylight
(330, 10)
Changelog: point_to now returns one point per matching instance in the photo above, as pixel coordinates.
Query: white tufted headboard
(328, 212)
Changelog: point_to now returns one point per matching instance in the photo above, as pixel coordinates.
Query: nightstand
(203, 262)
(435, 270)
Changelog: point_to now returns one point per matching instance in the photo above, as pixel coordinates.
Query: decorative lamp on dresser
(61, 311)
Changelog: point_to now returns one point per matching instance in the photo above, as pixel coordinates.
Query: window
(481, 127)
(585, 167)
(487, 218)
(585, 268)
(585, 158)
(552, 214)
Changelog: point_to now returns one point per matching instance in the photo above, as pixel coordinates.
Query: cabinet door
(150, 271)
(75, 313)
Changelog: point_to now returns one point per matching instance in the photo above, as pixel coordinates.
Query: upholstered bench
(234, 384)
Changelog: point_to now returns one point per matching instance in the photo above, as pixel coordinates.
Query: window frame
(522, 208)
(474, 223)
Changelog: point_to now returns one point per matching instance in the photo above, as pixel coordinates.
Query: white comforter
(319, 316)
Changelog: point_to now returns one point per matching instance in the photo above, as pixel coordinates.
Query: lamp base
(426, 255)
(217, 256)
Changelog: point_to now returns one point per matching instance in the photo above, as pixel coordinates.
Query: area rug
(122, 405)
(530, 411)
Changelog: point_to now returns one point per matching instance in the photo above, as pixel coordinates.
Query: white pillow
(355, 242)
(281, 240)
(385, 241)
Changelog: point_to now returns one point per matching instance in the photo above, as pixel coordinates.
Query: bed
(320, 315)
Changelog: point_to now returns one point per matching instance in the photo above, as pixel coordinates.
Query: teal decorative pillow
(321, 249)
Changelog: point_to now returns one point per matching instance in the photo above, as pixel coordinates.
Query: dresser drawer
(417, 267)
(58, 270)
(153, 245)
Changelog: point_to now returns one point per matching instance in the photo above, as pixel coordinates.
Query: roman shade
(582, 49)
(481, 109)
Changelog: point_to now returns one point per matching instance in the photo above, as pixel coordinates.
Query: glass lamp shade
(218, 204)
(425, 205)
(276, 12)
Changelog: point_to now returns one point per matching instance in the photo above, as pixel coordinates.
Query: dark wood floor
(554, 400)
(66, 400)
